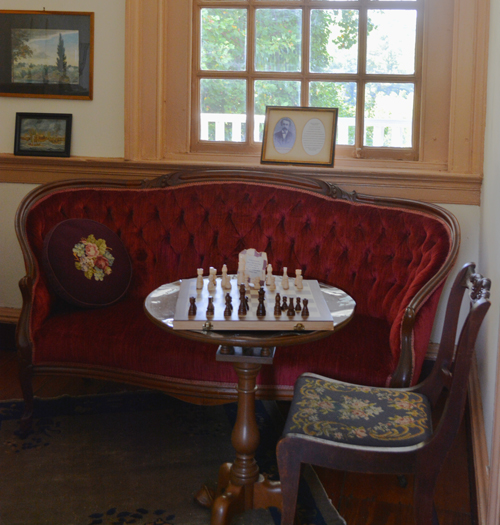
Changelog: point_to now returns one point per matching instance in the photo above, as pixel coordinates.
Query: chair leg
(423, 499)
(289, 467)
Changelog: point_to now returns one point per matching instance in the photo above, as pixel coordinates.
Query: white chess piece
(272, 283)
(225, 283)
(199, 279)
(284, 281)
(298, 280)
(241, 270)
(269, 274)
(211, 278)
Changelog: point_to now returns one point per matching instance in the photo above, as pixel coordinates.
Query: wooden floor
(360, 499)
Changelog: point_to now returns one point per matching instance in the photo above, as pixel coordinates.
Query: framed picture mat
(43, 134)
(47, 54)
(299, 135)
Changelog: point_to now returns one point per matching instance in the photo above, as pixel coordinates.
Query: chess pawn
(199, 279)
(211, 279)
(291, 308)
(269, 274)
(298, 306)
(284, 305)
(305, 309)
(192, 306)
(210, 307)
(298, 280)
(284, 281)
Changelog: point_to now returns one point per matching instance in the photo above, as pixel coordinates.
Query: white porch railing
(385, 132)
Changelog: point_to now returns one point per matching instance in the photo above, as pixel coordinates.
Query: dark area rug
(135, 457)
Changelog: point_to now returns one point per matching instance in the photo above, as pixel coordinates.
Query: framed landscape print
(43, 134)
(46, 54)
(299, 135)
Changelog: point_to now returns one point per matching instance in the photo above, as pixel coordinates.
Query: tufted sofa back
(382, 255)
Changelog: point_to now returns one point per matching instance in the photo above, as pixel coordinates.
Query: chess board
(319, 317)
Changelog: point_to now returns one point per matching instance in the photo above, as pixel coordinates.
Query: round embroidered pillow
(86, 263)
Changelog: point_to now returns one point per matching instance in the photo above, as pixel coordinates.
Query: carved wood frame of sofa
(391, 255)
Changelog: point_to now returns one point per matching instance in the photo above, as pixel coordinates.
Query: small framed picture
(299, 135)
(43, 134)
(48, 54)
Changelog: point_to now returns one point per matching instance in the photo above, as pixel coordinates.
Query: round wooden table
(240, 486)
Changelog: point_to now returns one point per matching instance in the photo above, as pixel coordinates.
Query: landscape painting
(45, 56)
(46, 134)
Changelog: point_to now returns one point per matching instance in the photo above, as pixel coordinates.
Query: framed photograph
(47, 54)
(43, 134)
(299, 135)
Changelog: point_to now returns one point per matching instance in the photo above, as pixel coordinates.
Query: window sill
(426, 182)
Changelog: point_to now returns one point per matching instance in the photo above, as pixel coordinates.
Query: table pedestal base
(240, 486)
(230, 500)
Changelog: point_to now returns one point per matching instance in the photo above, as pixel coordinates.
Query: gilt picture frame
(299, 135)
(47, 54)
(43, 134)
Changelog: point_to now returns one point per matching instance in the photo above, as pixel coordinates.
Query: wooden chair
(384, 430)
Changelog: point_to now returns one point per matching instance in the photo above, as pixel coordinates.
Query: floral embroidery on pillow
(93, 258)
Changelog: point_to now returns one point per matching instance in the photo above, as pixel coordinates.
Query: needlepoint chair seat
(377, 430)
(325, 409)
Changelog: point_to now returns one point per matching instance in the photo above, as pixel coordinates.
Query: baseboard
(479, 445)
(477, 436)
(9, 315)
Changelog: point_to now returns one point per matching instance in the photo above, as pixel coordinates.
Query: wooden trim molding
(9, 315)
(493, 517)
(153, 101)
(479, 444)
(388, 179)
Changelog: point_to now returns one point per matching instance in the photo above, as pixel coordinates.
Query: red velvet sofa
(391, 255)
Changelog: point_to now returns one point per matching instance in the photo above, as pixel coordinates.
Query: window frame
(449, 169)
(361, 78)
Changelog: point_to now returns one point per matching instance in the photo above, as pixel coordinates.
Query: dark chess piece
(243, 308)
(305, 309)
(229, 307)
(192, 306)
(284, 305)
(210, 307)
(298, 306)
(229, 300)
(291, 308)
(277, 305)
(261, 308)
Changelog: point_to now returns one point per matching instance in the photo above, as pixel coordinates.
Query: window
(445, 164)
(362, 56)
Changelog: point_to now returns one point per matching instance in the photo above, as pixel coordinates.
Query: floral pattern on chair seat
(358, 415)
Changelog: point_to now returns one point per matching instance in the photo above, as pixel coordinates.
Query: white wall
(11, 259)
(98, 124)
(487, 348)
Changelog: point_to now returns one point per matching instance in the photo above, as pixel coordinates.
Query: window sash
(362, 78)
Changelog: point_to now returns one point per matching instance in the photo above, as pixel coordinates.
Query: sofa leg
(26, 380)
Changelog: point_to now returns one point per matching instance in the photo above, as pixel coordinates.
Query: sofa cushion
(100, 339)
(86, 263)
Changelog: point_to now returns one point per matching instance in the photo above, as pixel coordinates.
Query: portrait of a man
(284, 135)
